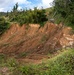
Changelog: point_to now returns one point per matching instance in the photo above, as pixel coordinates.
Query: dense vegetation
(21, 17)
(27, 16)
(64, 11)
(4, 25)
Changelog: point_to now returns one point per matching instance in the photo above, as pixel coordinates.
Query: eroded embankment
(34, 42)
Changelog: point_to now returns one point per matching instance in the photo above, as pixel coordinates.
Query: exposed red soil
(36, 41)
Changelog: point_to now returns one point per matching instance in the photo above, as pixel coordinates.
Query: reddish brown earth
(32, 43)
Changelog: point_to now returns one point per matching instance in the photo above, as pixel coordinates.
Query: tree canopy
(65, 10)
(27, 16)
(3, 25)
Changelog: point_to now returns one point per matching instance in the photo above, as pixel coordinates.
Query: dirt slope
(35, 41)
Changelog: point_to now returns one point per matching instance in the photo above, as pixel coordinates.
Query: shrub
(3, 25)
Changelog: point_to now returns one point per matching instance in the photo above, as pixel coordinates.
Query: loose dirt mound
(32, 40)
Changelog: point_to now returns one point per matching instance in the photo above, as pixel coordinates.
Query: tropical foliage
(27, 15)
(4, 25)
(64, 11)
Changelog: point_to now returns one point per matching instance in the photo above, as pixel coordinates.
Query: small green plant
(25, 70)
(44, 37)
(29, 70)
(11, 62)
(2, 57)
(4, 25)
(24, 54)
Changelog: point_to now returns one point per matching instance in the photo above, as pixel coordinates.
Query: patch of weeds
(23, 54)
(11, 62)
(28, 70)
(43, 39)
(2, 57)
(25, 70)
(49, 54)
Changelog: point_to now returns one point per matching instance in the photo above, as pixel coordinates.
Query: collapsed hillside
(34, 40)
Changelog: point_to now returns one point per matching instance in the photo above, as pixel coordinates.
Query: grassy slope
(62, 64)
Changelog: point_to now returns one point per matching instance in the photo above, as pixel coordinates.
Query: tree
(65, 8)
(3, 25)
(27, 16)
(15, 7)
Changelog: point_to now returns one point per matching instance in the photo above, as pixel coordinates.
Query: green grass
(61, 64)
